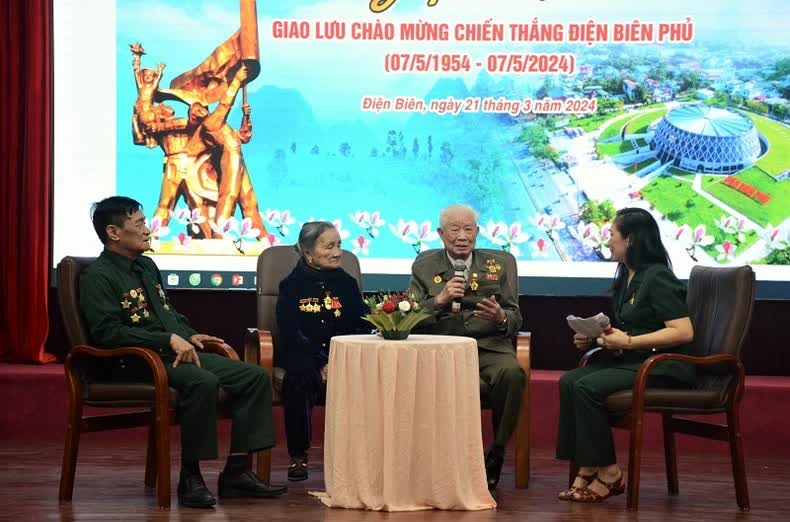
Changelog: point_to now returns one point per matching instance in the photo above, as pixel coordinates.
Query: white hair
(446, 212)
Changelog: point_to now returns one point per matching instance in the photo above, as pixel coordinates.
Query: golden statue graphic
(203, 160)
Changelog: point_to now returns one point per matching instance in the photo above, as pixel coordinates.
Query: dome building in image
(701, 138)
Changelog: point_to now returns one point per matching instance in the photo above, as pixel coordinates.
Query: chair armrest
(589, 354)
(259, 349)
(640, 382)
(222, 349)
(151, 358)
(522, 351)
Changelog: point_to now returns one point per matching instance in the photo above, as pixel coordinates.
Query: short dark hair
(308, 235)
(114, 210)
(645, 246)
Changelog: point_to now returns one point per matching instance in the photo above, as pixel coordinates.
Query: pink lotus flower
(279, 220)
(361, 245)
(182, 241)
(726, 251)
(270, 240)
(190, 218)
(540, 248)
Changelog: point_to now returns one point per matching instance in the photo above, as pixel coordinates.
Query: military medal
(133, 293)
(145, 313)
(126, 303)
(473, 285)
(135, 318)
(437, 279)
(328, 302)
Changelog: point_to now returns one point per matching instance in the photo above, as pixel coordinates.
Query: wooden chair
(720, 302)
(153, 403)
(260, 344)
(522, 342)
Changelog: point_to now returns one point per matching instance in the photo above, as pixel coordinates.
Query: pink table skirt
(403, 425)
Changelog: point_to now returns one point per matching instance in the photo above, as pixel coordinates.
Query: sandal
(589, 496)
(567, 494)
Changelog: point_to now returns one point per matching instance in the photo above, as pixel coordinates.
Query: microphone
(460, 268)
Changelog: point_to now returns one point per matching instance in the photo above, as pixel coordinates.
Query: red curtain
(25, 178)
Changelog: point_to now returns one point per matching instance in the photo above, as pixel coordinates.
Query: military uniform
(312, 306)
(124, 304)
(496, 352)
(653, 296)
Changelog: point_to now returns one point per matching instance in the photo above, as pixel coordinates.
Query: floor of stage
(109, 487)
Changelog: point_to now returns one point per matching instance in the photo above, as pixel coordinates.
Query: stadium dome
(701, 138)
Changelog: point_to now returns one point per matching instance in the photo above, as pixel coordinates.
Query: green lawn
(674, 171)
(612, 130)
(591, 123)
(777, 159)
(678, 202)
(773, 212)
(614, 148)
(639, 124)
(632, 169)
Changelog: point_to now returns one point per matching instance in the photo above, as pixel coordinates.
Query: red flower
(389, 307)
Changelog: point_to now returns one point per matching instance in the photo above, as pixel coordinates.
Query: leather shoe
(493, 465)
(297, 469)
(192, 491)
(246, 484)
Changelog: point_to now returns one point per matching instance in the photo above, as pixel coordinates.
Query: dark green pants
(251, 394)
(505, 381)
(584, 435)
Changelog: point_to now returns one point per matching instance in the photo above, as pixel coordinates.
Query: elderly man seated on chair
(467, 292)
(124, 304)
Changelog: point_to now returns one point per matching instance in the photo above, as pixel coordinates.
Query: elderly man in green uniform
(477, 304)
(124, 303)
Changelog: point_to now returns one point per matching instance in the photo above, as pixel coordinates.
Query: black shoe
(493, 465)
(192, 491)
(246, 484)
(297, 469)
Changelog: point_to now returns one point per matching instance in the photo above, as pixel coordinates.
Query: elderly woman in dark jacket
(317, 300)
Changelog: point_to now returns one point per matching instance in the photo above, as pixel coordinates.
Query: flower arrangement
(394, 314)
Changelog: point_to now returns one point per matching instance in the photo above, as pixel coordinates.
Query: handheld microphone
(460, 270)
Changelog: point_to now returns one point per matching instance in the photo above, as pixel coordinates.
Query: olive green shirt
(653, 297)
(124, 304)
(487, 276)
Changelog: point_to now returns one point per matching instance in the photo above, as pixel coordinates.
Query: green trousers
(505, 381)
(251, 393)
(584, 434)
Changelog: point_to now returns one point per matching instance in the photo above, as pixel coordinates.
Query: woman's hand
(617, 340)
(582, 342)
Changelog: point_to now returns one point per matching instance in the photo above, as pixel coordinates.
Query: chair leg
(634, 463)
(736, 454)
(573, 470)
(522, 442)
(670, 456)
(70, 450)
(264, 467)
(150, 458)
(162, 429)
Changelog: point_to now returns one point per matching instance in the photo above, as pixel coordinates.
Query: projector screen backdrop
(544, 116)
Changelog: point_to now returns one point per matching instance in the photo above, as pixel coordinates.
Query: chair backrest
(68, 280)
(720, 302)
(511, 271)
(274, 264)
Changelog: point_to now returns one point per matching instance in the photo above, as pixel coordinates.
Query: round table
(402, 424)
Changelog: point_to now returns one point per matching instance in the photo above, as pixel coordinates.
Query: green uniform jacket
(654, 296)
(487, 276)
(124, 304)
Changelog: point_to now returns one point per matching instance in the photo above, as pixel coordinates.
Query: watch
(503, 323)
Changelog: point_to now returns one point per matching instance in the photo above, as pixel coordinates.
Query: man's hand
(617, 340)
(582, 342)
(242, 74)
(185, 351)
(324, 373)
(490, 310)
(199, 339)
(454, 288)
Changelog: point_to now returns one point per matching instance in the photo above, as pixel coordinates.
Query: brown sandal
(589, 496)
(567, 494)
